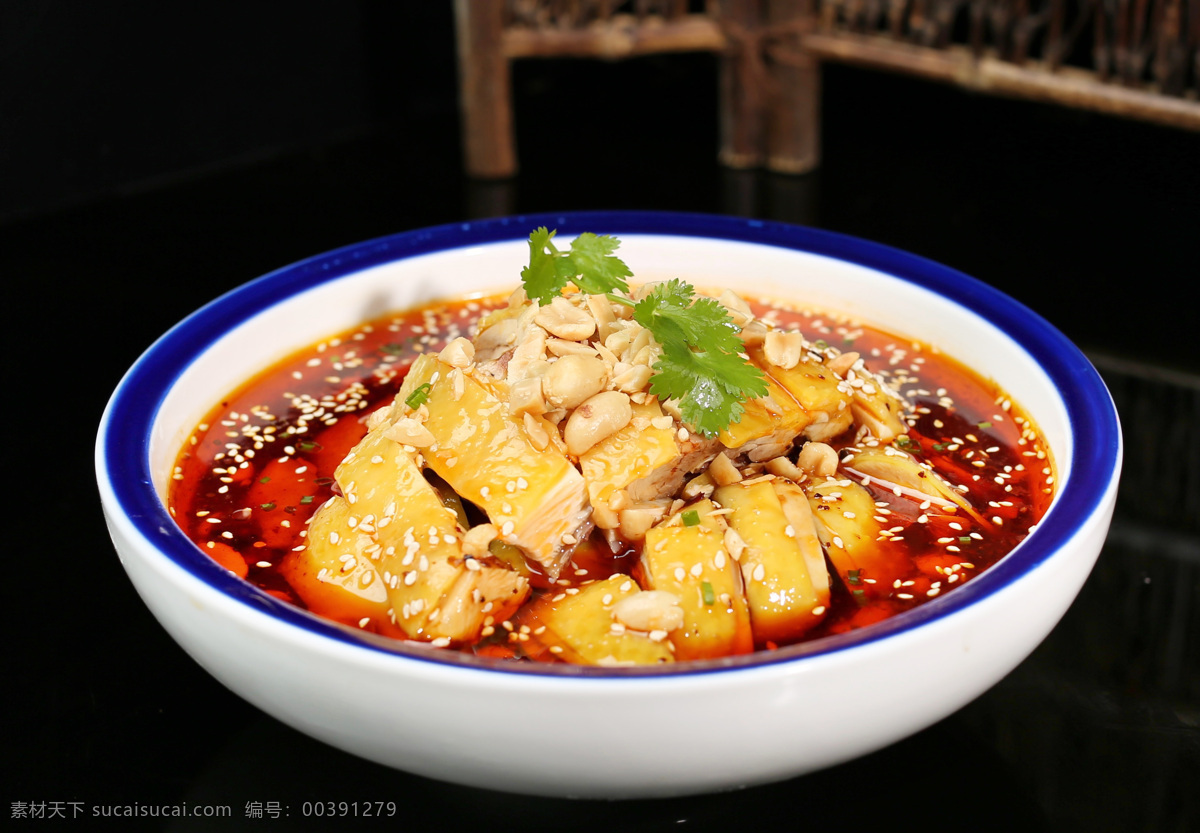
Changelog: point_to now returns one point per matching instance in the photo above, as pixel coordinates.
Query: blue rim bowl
(131, 489)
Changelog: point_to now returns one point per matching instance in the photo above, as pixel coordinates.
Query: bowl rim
(123, 440)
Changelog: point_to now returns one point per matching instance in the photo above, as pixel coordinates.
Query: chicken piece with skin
(686, 556)
(874, 405)
(901, 473)
(817, 391)
(782, 563)
(533, 495)
(596, 627)
(845, 513)
(391, 521)
(642, 463)
(768, 426)
(340, 581)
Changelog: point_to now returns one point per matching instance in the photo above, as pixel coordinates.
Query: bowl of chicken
(722, 501)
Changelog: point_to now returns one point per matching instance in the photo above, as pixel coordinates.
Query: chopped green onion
(691, 517)
(852, 577)
(821, 344)
(419, 396)
(710, 597)
(985, 425)
(964, 539)
(266, 506)
(264, 480)
(307, 499)
(309, 445)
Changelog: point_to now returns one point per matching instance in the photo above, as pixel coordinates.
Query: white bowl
(615, 733)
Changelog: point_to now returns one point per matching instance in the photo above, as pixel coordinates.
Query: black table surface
(1091, 221)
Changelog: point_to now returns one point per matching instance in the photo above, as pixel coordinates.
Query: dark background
(152, 159)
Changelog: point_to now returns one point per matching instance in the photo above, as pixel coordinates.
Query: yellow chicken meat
(686, 556)
(845, 513)
(596, 626)
(340, 580)
(783, 567)
(823, 396)
(389, 513)
(534, 496)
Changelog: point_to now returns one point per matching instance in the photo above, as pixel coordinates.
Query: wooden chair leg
(741, 98)
(485, 90)
(794, 119)
(793, 131)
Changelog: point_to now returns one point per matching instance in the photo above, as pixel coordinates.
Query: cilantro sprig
(589, 263)
(701, 367)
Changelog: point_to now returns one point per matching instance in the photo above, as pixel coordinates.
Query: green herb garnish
(852, 577)
(589, 263)
(710, 597)
(691, 517)
(984, 425)
(702, 367)
(419, 396)
(266, 506)
(307, 499)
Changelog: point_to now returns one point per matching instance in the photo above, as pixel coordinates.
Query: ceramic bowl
(589, 732)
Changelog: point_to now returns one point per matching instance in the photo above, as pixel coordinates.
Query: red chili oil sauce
(253, 473)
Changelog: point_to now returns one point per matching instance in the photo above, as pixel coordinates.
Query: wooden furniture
(1132, 58)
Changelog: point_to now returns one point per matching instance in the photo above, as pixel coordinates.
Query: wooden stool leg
(485, 90)
(741, 97)
(794, 109)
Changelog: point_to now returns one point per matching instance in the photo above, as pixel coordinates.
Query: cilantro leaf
(597, 269)
(589, 263)
(701, 364)
(541, 277)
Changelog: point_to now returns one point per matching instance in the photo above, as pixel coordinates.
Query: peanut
(649, 610)
(458, 353)
(562, 318)
(739, 310)
(842, 364)
(407, 431)
(783, 349)
(573, 379)
(598, 418)
(818, 459)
